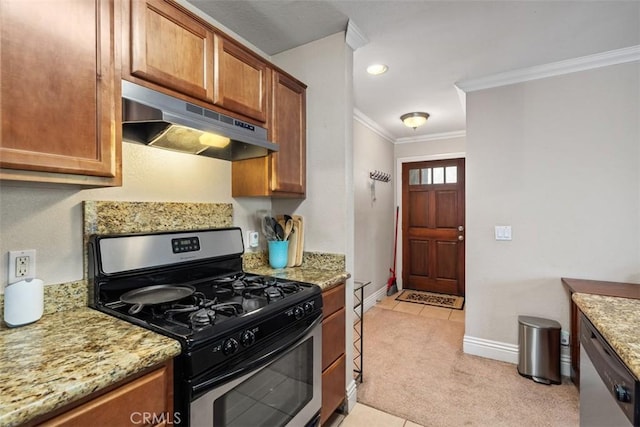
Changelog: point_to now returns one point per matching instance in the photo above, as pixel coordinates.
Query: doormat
(430, 298)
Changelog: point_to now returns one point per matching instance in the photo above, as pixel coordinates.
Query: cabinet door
(240, 80)
(60, 92)
(281, 174)
(149, 396)
(333, 388)
(289, 132)
(170, 48)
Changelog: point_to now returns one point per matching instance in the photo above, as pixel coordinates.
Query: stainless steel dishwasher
(609, 392)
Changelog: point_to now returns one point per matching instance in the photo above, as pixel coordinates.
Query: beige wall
(558, 160)
(374, 208)
(48, 218)
(323, 65)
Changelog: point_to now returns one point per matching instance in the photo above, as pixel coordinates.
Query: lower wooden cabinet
(144, 401)
(333, 388)
(333, 351)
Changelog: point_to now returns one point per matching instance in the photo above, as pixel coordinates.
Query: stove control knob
(230, 346)
(247, 338)
(621, 393)
(298, 312)
(308, 307)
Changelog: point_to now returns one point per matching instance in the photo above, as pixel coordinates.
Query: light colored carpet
(414, 368)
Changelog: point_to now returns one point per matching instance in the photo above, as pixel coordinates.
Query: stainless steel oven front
(278, 386)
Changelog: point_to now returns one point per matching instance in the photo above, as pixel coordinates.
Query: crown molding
(583, 63)
(373, 126)
(355, 38)
(432, 137)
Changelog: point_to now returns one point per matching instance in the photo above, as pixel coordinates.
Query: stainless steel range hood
(153, 118)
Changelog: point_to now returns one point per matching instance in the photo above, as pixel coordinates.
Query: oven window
(271, 397)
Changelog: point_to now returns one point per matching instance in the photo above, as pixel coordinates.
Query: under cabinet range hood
(153, 118)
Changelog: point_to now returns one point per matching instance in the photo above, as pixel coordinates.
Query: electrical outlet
(22, 265)
(564, 338)
(253, 238)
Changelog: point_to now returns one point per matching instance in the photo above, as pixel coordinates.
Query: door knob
(460, 228)
(461, 238)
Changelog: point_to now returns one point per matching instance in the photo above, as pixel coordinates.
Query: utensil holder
(278, 253)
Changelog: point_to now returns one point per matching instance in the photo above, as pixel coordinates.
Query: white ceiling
(430, 45)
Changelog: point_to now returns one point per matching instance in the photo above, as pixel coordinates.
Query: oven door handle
(258, 360)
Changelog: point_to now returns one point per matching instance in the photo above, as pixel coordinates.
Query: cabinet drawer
(333, 388)
(126, 405)
(333, 337)
(332, 300)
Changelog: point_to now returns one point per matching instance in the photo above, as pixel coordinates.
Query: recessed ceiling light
(377, 69)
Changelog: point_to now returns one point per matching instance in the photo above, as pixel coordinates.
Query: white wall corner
(583, 63)
(373, 126)
(355, 37)
(506, 352)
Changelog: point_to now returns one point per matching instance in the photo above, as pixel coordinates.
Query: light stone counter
(70, 354)
(617, 319)
(326, 279)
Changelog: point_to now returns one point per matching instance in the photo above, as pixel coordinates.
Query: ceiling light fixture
(413, 120)
(377, 69)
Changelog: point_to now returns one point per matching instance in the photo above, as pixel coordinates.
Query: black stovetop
(222, 303)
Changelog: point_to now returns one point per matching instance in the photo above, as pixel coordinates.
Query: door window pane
(426, 176)
(414, 176)
(438, 175)
(451, 174)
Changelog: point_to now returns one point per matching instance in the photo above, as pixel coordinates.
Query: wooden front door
(433, 226)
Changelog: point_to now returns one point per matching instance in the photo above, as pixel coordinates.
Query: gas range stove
(216, 305)
(228, 311)
(238, 331)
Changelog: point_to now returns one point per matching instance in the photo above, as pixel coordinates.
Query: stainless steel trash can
(539, 349)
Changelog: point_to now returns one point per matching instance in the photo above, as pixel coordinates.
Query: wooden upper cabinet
(281, 174)
(60, 91)
(170, 48)
(240, 80)
(289, 129)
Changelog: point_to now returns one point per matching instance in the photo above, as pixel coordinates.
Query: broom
(392, 286)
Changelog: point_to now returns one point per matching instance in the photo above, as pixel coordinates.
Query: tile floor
(362, 415)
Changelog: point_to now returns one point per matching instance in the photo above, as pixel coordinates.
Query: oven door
(282, 388)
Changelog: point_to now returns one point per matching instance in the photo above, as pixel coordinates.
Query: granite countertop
(67, 355)
(617, 319)
(326, 279)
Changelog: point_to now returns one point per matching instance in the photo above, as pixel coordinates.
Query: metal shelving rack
(358, 310)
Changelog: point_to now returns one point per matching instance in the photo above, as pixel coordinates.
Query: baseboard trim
(352, 397)
(506, 352)
(373, 299)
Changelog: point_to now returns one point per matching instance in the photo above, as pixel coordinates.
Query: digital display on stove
(185, 244)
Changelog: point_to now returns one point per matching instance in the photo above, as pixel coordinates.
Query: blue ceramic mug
(278, 253)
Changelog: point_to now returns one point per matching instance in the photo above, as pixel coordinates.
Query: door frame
(398, 198)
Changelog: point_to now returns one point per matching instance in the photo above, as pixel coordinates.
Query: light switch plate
(503, 232)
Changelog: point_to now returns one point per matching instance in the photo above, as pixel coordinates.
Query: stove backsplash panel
(105, 217)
